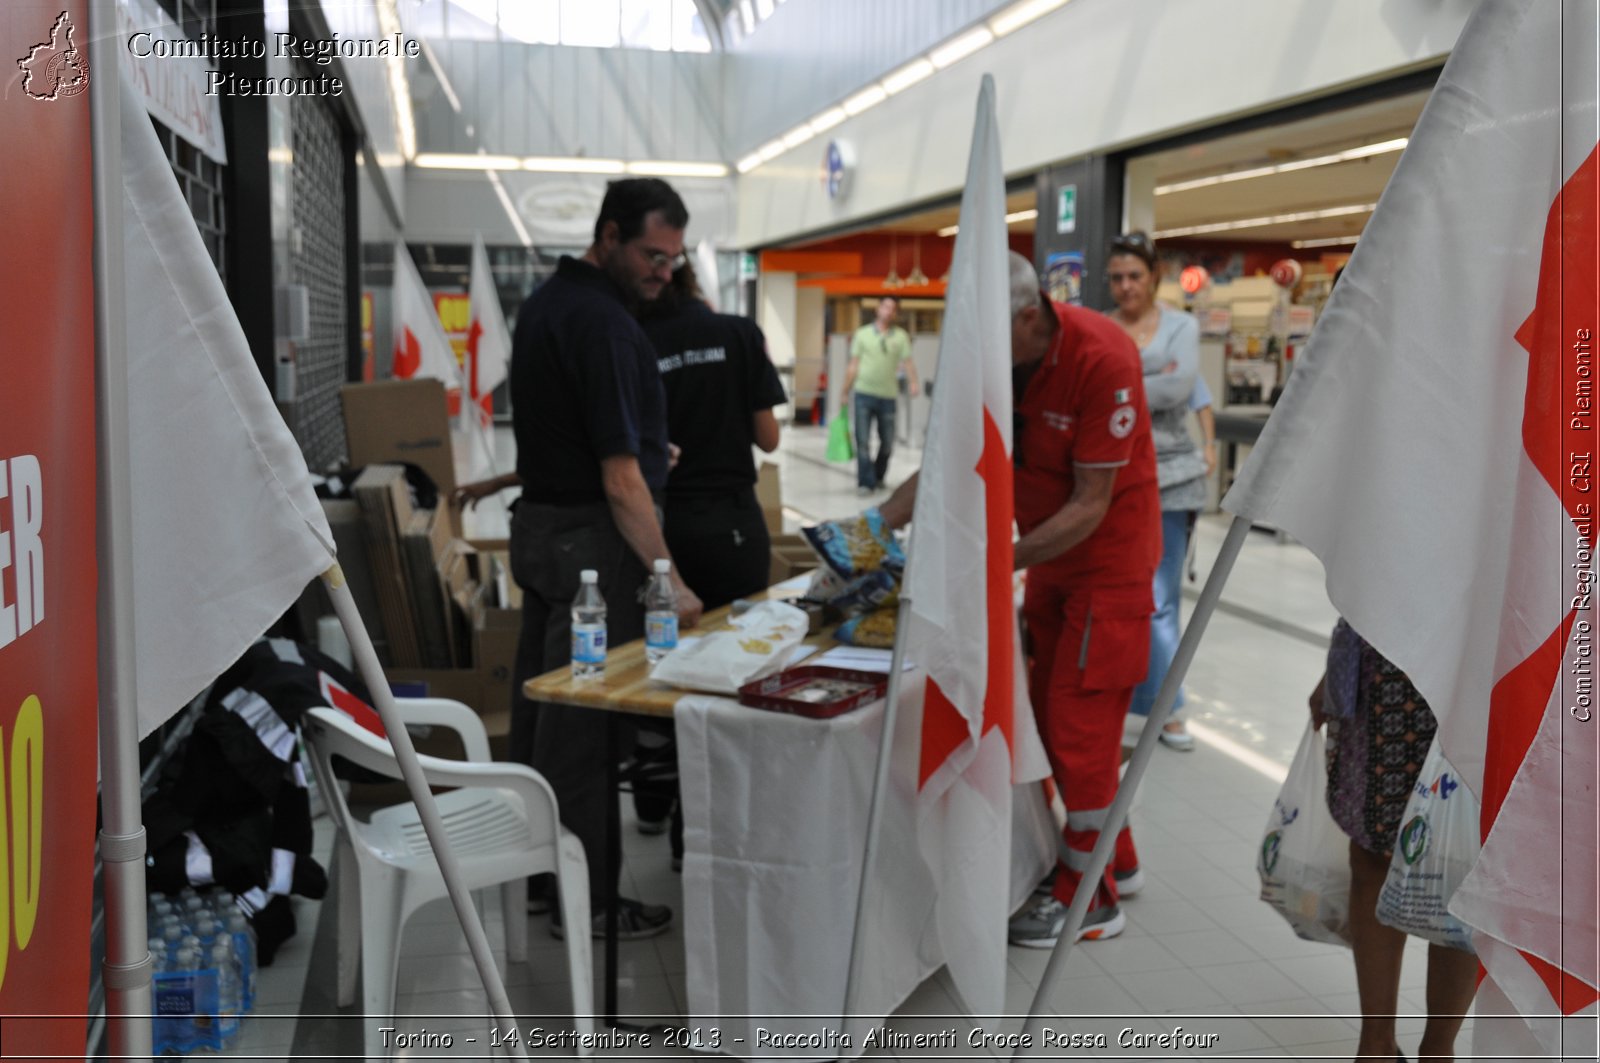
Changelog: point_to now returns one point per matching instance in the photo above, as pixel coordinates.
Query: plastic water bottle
(177, 999)
(230, 994)
(244, 951)
(660, 613)
(206, 928)
(588, 628)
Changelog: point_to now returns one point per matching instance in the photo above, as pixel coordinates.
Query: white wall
(1098, 75)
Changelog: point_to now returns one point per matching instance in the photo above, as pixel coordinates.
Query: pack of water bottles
(205, 971)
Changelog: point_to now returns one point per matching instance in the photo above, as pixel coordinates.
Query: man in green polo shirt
(877, 351)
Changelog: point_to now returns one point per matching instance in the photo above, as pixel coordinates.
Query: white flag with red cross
(1436, 450)
(978, 736)
(421, 349)
(488, 341)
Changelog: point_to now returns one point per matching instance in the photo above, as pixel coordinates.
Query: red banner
(47, 529)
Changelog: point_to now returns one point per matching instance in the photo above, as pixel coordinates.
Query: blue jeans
(870, 472)
(1164, 624)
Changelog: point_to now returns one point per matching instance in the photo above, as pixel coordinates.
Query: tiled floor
(1201, 952)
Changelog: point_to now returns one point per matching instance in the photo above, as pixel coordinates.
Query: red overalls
(1088, 611)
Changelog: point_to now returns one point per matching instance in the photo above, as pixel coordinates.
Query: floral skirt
(1375, 756)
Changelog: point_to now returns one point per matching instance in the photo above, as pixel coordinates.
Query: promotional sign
(1063, 277)
(455, 314)
(47, 532)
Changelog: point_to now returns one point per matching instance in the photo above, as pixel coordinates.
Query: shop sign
(1067, 209)
(838, 164)
(175, 85)
(455, 314)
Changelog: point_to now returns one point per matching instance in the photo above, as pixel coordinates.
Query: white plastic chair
(502, 824)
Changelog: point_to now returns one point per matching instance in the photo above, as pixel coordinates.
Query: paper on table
(862, 659)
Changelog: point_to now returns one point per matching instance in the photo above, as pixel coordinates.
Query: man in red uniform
(1090, 516)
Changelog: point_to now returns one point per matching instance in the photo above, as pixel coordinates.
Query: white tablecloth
(775, 813)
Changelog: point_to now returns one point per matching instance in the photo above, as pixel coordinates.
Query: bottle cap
(663, 566)
(589, 575)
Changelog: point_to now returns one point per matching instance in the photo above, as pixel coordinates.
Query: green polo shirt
(879, 355)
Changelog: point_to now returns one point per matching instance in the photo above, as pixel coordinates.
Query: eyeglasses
(661, 260)
(1133, 239)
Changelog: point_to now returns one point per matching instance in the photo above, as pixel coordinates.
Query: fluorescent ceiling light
(827, 119)
(870, 96)
(1015, 216)
(572, 165)
(438, 161)
(796, 136)
(764, 9)
(664, 168)
(958, 49)
(748, 163)
(511, 212)
(1362, 152)
(1018, 15)
(747, 15)
(1327, 241)
(1259, 223)
(770, 150)
(906, 76)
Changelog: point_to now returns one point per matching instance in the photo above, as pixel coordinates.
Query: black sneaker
(1129, 883)
(635, 919)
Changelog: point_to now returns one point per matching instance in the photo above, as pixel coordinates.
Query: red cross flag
(1435, 449)
(975, 724)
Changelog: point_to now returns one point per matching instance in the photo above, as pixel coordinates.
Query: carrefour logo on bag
(1269, 850)
(1414, 839)
(1442, 787)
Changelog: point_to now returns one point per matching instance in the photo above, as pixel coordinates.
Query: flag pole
(880, 789)
(126, 969)
(1032, 1028)
(405, 755)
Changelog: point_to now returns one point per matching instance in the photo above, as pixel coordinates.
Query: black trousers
(721, 547)
(550, 546)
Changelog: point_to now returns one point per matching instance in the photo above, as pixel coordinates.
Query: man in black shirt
(589, 416)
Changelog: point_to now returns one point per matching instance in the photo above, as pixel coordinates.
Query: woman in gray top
(1169, 344)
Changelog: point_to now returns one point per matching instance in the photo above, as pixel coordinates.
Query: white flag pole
(1118, 815)
(126, 970)
(880, 789)
(366, 660)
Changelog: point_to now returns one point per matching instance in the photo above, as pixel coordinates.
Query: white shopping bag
(1304, 862)
(1436, 846)
(761, 642)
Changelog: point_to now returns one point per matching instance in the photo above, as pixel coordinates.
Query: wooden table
(626, 688)
(626, 685)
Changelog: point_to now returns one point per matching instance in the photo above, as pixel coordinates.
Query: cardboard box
(769, 494)
(791, 555)
(402, 421)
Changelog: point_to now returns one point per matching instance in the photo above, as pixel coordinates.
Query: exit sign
(1067, 209)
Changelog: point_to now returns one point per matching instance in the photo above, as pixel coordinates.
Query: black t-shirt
(717, 374)
(584, 386)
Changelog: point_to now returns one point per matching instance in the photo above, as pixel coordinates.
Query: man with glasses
(590, 420)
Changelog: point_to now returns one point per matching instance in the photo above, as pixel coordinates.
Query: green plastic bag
(841, 447)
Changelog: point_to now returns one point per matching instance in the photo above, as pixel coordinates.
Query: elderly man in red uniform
(1090, 516)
